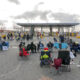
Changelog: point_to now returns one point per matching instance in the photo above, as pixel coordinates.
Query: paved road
(12, 67)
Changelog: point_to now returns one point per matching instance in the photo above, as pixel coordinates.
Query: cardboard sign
(5, 48)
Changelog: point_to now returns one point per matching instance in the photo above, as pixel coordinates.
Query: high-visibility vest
(21, 35)
(45, 56)
(41, 36)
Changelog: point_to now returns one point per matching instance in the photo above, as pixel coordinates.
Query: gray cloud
(33, 14)
(62, 17)
(14, 1)
(37, 6)
(65, 18)
(43, 15)
(2, 21)
(40, 3)
(30, 15)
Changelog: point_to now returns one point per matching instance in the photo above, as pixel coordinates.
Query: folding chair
(65, 56)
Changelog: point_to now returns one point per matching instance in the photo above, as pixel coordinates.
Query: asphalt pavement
(13, 67)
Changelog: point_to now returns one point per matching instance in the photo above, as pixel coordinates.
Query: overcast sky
(40, 10)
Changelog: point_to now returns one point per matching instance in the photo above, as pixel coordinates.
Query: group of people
(15, 35)
(7, 36)
(33, 47)
(74, 46)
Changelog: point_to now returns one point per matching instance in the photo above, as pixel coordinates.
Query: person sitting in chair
(49, 45)
(55, 40)
(45, 57)
(21, 45)
(33, 47)
(40, 45)
(45, 54)
(28, 47)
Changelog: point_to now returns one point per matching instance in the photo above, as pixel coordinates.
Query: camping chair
(56, 64)
(65, 56)
(23, 52)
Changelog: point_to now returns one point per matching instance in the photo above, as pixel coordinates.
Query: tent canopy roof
(48, 24)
